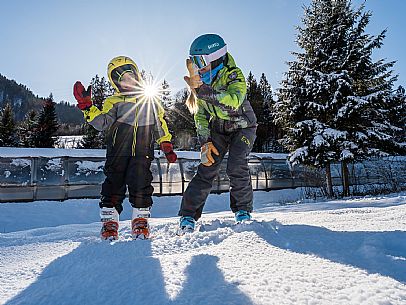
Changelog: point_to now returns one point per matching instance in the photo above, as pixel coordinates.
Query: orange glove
(206, 157)
(193, 80)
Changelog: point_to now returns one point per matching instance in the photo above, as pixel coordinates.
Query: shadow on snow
(125, 273)
(375, 252)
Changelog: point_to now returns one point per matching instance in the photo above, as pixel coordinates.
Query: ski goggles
(202, 61)
(118, 73)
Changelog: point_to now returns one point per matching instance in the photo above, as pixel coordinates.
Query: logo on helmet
(216, 44)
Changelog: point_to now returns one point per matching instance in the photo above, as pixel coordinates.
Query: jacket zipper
(114, 136)
(135, 131)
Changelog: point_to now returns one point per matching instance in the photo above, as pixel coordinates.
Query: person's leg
(139, 181)
(139, 176)
(114, 187)
(200, 186)
(112, 196)
(241, 194)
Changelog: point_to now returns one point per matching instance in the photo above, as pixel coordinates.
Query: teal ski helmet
(206, 49)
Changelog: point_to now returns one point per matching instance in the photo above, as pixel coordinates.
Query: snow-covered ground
(337, 252)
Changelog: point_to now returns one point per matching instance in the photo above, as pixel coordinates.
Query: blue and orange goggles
(200, 61)
(204, 60)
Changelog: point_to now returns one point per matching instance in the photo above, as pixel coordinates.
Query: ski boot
(186, 225)
(109, 219)
(139, 223)
(242, 216)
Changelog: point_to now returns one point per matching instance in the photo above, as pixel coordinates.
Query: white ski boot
(109, 218)
(139, 223)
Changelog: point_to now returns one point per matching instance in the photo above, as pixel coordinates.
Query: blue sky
(48, 45)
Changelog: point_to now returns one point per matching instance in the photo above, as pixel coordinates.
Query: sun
(151, 91)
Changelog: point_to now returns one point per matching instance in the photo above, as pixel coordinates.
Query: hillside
(22, 100)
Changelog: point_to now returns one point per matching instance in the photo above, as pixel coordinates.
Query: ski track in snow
(338, 252)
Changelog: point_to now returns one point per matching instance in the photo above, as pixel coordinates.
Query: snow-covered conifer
(332, 102)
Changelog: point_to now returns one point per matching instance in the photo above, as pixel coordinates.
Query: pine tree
(180, 122)
(46, 125)
(8, 130)
(254, 96)
(396, 108)
(165, 93)
(101, 89)
(93, 138)
(26, 130)
(144, 75)
(331, 100)
(271, 132)
(265, 89)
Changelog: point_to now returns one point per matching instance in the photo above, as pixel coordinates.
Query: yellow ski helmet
(117, 67)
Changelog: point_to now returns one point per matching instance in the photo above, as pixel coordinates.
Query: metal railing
(25, 178)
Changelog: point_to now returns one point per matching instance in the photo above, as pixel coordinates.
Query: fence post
(34, 170)
(180, 161)
(266, 174)
(160, 176)
(65, 162)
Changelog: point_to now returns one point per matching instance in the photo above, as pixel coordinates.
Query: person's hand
(167, 149)
(82, 96)
(193, 80)
(206, 157)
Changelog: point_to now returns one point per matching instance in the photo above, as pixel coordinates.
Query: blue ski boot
(186, 225)
(242, 216)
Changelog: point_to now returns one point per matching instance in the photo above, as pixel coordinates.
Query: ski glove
(193, 80)
(82, 96)
(167, 149)
(206, 157)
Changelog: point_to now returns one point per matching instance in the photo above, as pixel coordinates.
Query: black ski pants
(128, 165)
(238, 144)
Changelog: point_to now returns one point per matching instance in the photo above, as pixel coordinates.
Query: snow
(14, 152)
(346, 154)
(299, 153)
(53, 165)
(85, 166)
(20, 162)
(69, 141)
(19, 152)
(295, 251)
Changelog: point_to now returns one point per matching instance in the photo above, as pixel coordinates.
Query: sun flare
(151, 91)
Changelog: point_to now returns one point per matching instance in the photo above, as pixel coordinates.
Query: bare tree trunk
(329, 181)
(346, 180)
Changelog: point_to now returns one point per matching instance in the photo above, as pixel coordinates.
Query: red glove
(170, 155)
(82, 96)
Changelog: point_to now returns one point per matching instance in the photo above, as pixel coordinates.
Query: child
(224, 121)
(131, 122)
